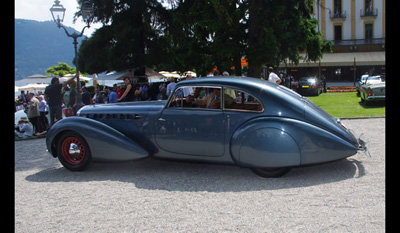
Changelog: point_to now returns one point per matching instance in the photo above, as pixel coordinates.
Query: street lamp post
(58, 13)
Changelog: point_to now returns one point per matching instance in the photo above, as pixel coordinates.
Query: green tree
(200, 34)
(280, 30)
(131, 37)
(203, 34)
(61, 69)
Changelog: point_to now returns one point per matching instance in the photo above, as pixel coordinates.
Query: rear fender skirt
(105, 142)
(265, 147)
(283, 142)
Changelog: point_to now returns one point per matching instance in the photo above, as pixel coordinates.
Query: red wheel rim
(73, 150)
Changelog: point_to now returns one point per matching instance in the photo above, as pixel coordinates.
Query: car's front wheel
(73, 151)
(271, 172)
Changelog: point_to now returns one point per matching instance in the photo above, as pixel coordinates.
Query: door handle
(137, 116)
(162, 119)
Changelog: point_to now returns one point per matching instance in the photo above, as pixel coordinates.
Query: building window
(337, 7)
(369, 29)
(338, 13)
(338, 32)
(369, 10)
(368, 7)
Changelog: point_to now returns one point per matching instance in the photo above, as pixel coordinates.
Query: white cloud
(39, 10)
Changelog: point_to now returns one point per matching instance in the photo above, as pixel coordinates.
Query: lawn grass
(347, 105)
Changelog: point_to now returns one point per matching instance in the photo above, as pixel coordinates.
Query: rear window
(237, 100)
(307, 79)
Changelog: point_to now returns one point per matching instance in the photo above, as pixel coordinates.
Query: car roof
(251, 85)
(237, 81)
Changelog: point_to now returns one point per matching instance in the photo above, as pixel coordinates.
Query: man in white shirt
(171, 87)
(187, 90)
(272, 76)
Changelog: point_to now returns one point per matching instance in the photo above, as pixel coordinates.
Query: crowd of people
(43, 109)
(34, 121)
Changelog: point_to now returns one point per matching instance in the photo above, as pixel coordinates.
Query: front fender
(283, 142)
(105, 142)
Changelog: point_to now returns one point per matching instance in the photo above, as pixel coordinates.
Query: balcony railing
(375, 41)
(337, 15)
(369, 13)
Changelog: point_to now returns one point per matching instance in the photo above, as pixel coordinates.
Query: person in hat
(24, 129)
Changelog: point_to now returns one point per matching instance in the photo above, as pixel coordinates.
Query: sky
(39, 10)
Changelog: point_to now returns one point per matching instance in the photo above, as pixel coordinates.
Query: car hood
(376, 85)
(136, 107)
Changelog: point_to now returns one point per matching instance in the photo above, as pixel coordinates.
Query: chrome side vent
(96, 116)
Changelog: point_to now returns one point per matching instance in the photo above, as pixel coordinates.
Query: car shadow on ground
(154, 174)
(377, 104)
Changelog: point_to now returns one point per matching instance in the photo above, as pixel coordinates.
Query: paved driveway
(163, 196)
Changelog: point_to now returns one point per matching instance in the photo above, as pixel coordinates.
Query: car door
(189, 126)
(239, 106)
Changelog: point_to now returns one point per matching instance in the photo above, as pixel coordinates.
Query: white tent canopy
(170, 74)
(151, 74)
(33, 87)
(69, 76)
(37, 78)
(27, 81)
(113, 75)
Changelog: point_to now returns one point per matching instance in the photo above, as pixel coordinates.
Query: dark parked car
(373, 90)
(231, 120)
(309, 86)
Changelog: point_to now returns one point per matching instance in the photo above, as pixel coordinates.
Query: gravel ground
(163, 196)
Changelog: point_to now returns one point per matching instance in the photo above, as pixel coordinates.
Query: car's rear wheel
(271, 172)
(73, 151)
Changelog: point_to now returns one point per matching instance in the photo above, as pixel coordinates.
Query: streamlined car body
(231, 120)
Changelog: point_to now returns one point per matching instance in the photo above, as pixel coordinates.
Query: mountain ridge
(40, 45)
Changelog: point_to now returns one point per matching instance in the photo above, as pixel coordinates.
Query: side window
(238, 100)
(177, 99)
(196, 97)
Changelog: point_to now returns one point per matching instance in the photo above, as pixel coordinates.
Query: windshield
(374, 79)
(364, 77)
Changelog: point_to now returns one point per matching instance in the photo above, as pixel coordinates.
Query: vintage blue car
(231, 120)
